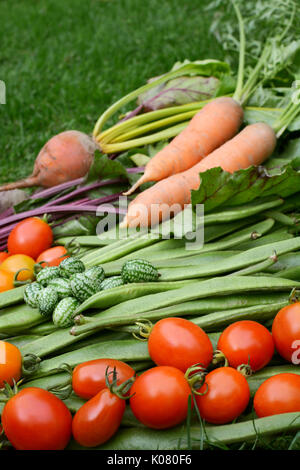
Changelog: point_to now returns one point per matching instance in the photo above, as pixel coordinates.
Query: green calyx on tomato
(121, 391)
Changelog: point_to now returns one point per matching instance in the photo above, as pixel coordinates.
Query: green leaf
(139, 159)
(105, 168)
(190, 81)
(219, 187)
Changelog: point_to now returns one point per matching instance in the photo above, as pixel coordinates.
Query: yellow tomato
(15, 263)
(6, 280)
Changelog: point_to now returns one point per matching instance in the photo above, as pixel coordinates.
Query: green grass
(65, 61)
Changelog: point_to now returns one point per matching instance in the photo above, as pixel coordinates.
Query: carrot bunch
(209, 141)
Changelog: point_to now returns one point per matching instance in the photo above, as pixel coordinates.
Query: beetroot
(65, 157)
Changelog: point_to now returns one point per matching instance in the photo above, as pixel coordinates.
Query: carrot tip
(136, 185)
(124, 222)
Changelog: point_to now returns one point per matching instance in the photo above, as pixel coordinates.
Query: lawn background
(65, 61)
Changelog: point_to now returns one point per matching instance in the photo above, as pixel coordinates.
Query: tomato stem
(219, 357)
(121, 391)
(30, 364)
(145, 328)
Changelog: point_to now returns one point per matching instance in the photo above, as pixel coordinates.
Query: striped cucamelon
(47, 299)
(62, 287)
(64, 312)
(70, 266)
(111, 282)
(46, 274)
(138, 270)
(31, 292)
(97, 274)
(83, 286)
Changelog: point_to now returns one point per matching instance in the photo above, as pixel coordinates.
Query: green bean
(12, 297)
(198, 290)
(277, 236)
(212, 232)
(241, 260)
(19, 318)
(216, 320)
(281, 218)
(175, 438)
(109, 297)
(256, 268)
(85, 240)
(291, 273)
(21, 340)
(225, 243)
(114, 268)
(43, 329)
(230, 214)
(109, 253)
(124, 350)
(287, 261)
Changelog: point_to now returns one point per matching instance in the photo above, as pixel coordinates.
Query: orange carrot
(254, 144)
(65, 157)
(211, 127)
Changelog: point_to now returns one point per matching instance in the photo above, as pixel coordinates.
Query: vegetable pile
(113, 337)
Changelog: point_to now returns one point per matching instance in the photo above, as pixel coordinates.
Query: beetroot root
(65, 157)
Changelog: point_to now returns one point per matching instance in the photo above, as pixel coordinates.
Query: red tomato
(278, 394)
(30, 237)
(179, 343)
(89, 377)
(227, 396)
(245, 341)
(53, 256)
(22, 263)
(35, 419)
(3, 256)
(98, 419)
(160, 397)
(286, 332)
(6, 280)
(10, 363)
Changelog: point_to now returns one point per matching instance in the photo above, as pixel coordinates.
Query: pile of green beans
(257, 243)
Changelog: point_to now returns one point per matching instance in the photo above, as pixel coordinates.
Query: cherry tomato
(10, 363)
(30, 237)
(53, 256)
(15, 263)
(89, 377)
(3, 256)
(160, 397)
(278, 394)
(286, 332)
(98, 419)
(247, 341)
(179, 343)
(227, 395)
(6, 280)
(35, 419)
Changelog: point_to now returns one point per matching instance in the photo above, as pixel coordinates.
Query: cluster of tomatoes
(28, 243)
(185, 376)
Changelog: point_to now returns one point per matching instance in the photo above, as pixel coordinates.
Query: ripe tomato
(179, 343)
(286, 332)
(6, 280)
(227, 396)
(98, 419)
(160, 397)
(15, 263)
(278, 394)
(89, 377)
(10, 363)
(53, 256)
(35, 419)
(245, 341)
(3, 256)
(30, 237)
